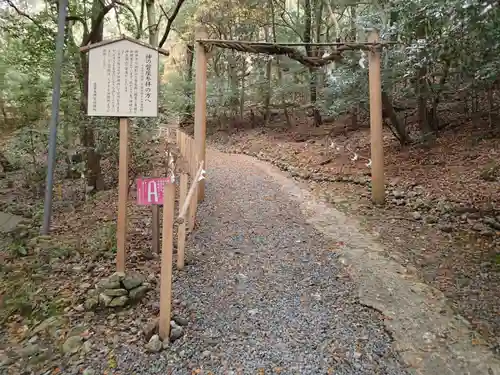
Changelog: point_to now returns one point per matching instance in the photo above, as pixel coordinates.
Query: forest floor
(255, 239)
(258, 291)
(442, 216)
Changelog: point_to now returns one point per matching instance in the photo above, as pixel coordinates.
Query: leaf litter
(442, 217)
(48, 285)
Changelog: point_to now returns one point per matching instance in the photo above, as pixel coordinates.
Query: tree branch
(137, 24)
(141, 17)
(170, 21)
(289, 25)
(95, 24)
(26, 15)
(118, 22)
(82, 21)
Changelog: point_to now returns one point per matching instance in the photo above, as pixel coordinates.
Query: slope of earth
(262, 290)
(44, 280)
(443, 203)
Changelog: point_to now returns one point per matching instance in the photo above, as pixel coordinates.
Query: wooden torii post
(375, 89)
(376, 129)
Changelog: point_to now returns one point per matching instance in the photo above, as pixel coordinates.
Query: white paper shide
(123, 80)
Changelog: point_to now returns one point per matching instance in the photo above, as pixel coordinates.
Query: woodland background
(448, 55)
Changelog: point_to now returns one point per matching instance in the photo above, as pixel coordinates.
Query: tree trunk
(312, 71)
(242, 91)
(396, 124)
(278, 67)
(5, 164)
(490, 105)
(152, 24)
(269, 92)
(221, 109)
(354, 37)
(233, 81)
(425, 126)
(433, 118)
(187, 115)
(93, 159)
(423, 94)
(267, 99)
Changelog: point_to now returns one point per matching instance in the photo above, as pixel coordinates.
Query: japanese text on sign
(123, 80)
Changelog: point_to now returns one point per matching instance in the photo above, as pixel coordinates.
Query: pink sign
(150, 190)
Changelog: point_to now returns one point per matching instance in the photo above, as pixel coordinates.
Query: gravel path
(269, 287)
(264, 291)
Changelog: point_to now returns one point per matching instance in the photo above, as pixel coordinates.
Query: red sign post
(161, 191)
(150, 191)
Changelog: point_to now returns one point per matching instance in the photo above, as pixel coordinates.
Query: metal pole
(56, 95)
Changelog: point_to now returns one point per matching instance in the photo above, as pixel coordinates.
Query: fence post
(193, 169)
(200, 115)
(121, 225)
(166, 261)
(181, 233)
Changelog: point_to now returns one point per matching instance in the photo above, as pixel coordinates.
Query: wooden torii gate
(373, 47)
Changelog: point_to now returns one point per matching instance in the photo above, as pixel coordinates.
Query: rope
(292, 53)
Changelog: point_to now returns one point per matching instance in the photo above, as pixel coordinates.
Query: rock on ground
(154, 345)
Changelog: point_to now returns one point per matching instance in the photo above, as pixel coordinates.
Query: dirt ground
(442, 215)
(48, 277)
(441, 219)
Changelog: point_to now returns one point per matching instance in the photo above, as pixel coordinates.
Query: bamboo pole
(377, 146)
(181, 233)
(121, 225)
(192, 189)
(353, 46)
(194, 199)
(187, 155)
(166, 261)
(156, 228)
(182, 142)
(201, 103)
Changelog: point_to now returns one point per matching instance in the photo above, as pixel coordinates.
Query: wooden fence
(191, 172)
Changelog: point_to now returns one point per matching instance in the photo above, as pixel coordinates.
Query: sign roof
(122, 37)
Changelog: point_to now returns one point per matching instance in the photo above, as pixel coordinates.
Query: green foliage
(175, 96)
(27, 151)
(104, 242)
(17, 248)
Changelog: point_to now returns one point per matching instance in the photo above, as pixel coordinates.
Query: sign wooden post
(166, 261)
(377, 145)
(200, 109)
(161, 191)
(121, 226)
(123, 82)
(156, 229)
